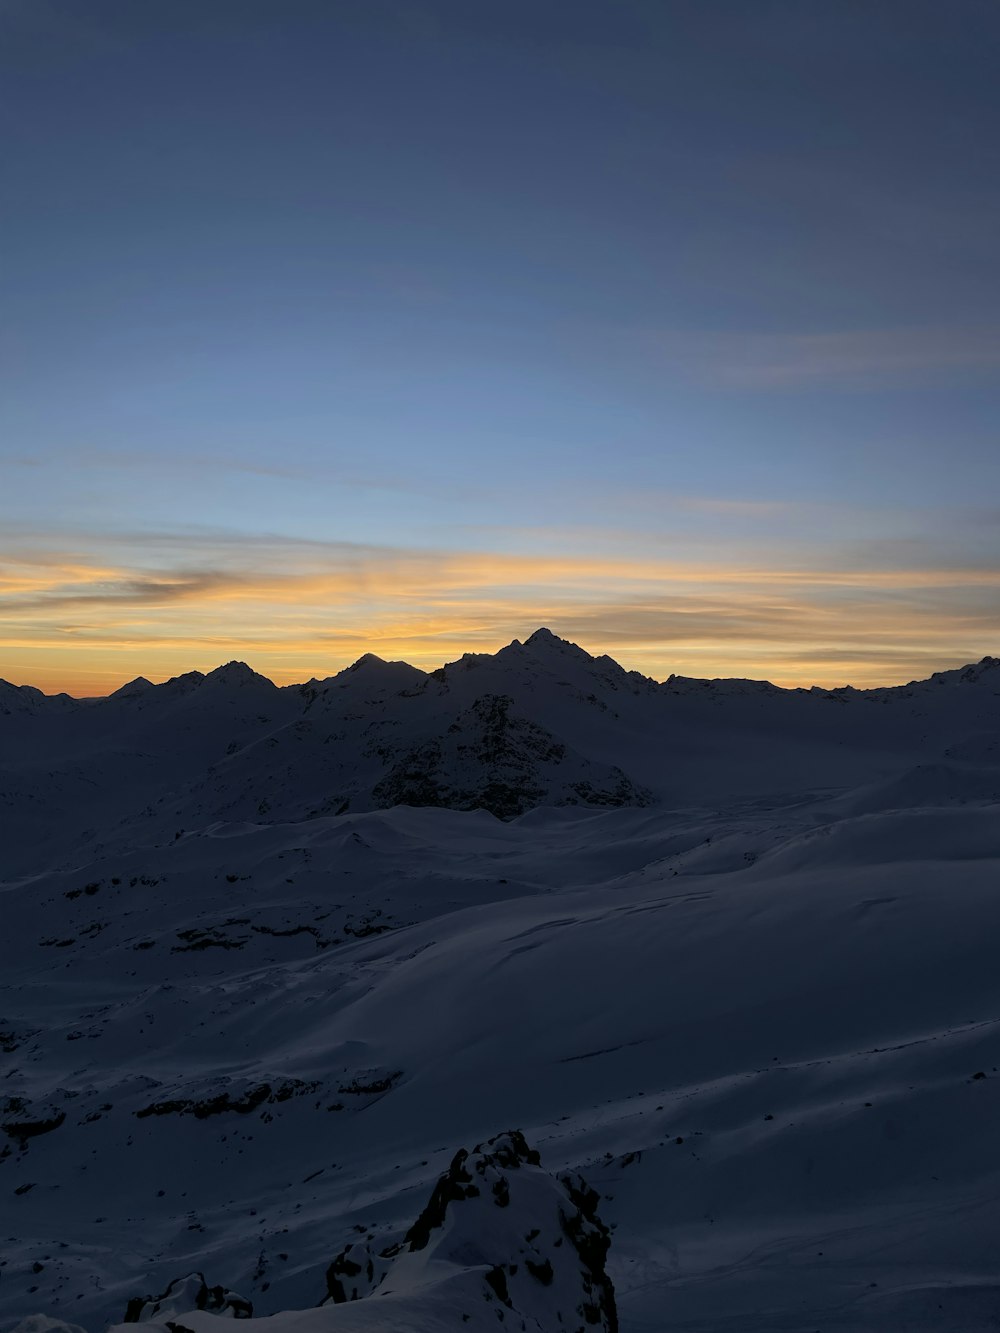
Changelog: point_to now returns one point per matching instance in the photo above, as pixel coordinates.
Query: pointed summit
(544, 641)
(237, 675)
(541, 636)
(371, 671)
(367, 660)
(132, 688)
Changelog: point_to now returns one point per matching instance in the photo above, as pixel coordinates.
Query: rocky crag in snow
(499, 1242)
(505, 1233)
(489, 760)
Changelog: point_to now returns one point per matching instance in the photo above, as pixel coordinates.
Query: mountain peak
(367, 660)
(238, 675)
(132, 687)
(542, 637)
(970, 674)
(19, 697)
(544, 641)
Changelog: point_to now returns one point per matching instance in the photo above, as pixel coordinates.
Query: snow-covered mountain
(538, 723)
(271, 956)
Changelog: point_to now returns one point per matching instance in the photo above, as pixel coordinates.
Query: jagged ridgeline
(540, 723)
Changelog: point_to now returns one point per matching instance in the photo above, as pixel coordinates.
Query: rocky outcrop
(532, 1243)
(491, 759)
(184, 1295)
(21, 1120)
(499, 1241)
(242, 1103)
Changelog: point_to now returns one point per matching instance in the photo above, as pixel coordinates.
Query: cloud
(190, 465)
(299, 608)
(856, 357)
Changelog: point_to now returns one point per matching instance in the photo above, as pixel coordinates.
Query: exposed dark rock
(185, 1294)
(455, 1184)
(225, 1101)
(591, 1240)
(496, 1280)
(22, 1130)
(531, 1273)
(543, 1271)
(371, 1084)
(489, 759)
(341, 1268)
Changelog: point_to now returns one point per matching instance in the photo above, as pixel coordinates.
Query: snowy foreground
(708, 970)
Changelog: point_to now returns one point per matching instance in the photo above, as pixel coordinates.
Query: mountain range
(538, 723)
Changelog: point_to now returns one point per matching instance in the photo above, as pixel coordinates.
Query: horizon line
(541, 630)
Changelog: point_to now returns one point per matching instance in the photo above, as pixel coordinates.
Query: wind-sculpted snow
(760, 1015)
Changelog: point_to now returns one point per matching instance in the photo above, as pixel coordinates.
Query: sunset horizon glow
(81, 625)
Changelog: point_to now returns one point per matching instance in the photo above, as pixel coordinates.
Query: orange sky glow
(75, 623)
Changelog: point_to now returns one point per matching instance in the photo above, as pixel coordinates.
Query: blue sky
(687, 294)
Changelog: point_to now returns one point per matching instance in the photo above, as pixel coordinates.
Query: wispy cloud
(187, 465)
(853, 357)
(95, 615)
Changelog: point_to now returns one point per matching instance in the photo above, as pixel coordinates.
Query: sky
(408, 326)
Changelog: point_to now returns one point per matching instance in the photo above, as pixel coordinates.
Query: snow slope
(753, 1000)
